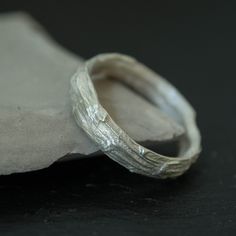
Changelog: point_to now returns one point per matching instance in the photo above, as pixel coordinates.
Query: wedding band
(115, 142)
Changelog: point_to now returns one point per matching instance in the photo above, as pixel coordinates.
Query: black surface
(191, 43)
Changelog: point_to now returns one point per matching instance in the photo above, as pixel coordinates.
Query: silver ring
(111, 139)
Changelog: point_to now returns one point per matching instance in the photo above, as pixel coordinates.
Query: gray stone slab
(36, 124)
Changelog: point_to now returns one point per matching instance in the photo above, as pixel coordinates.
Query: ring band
(111, 139)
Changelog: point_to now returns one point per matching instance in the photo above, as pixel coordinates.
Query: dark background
(193, 45)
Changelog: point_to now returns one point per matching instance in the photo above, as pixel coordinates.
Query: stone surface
(36, 124)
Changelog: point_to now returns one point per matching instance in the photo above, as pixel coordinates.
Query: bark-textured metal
(115, 142)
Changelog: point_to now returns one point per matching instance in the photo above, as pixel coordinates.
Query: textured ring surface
(111, 139)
